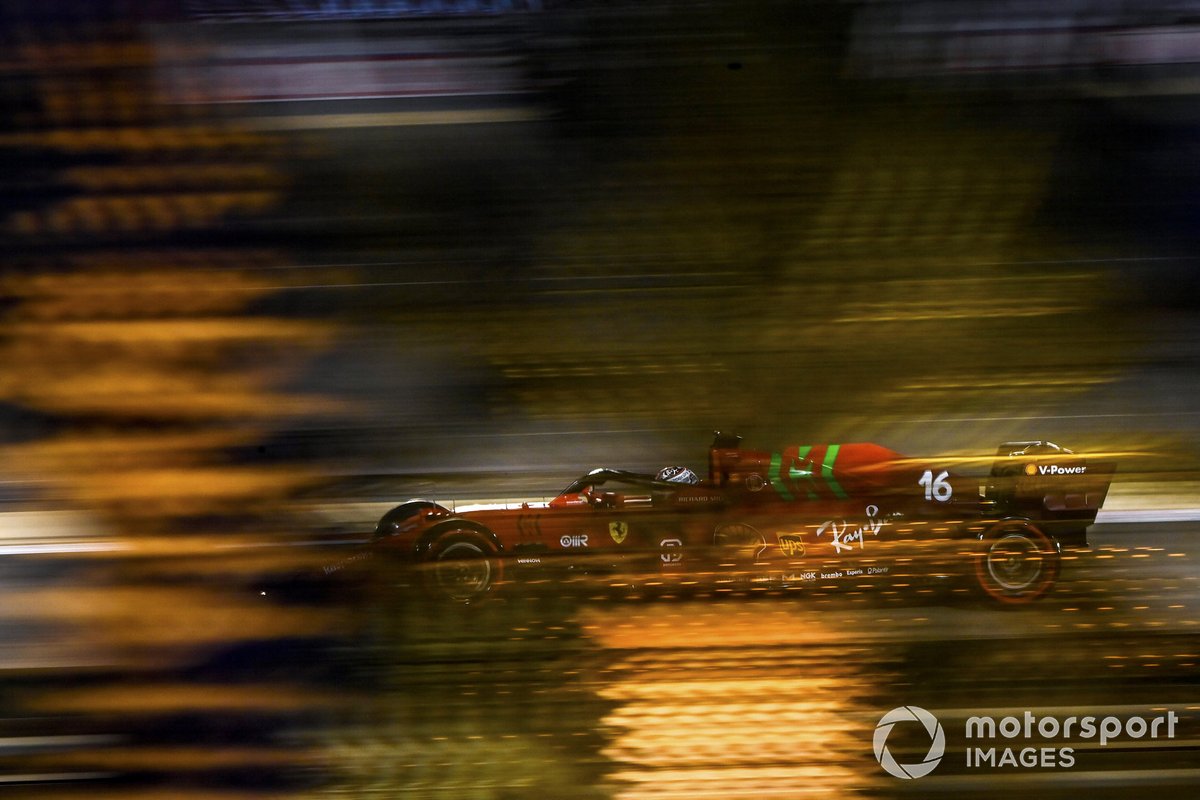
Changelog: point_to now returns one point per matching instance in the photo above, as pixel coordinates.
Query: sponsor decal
(937, 742)
(791, 545)
(796, 577)
(618, 531)
(1055, 469)
(797, 475)
(831, 454)
(797, 469)
(576, 540)
(671, 553)
(529, 526)
(843, 538)
(329, 569)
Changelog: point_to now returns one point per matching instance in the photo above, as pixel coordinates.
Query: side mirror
(610, 500)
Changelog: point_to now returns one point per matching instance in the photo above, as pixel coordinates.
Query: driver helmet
(677, 475)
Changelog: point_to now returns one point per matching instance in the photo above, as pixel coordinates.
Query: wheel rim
(1015, 562)
(462, 570)
(741, 539)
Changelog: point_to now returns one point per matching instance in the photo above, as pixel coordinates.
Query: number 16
(936, 488)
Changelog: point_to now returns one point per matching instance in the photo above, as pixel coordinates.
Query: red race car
(801, 515)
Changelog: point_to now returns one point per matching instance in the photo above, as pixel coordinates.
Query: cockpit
(608, 488)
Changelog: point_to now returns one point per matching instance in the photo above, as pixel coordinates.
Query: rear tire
(1016, 562)
(461, 566)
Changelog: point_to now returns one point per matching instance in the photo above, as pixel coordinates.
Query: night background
(270, 268)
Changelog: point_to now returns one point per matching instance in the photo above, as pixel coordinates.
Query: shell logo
(1031, 469)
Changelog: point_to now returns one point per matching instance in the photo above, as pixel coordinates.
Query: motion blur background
(271, 266)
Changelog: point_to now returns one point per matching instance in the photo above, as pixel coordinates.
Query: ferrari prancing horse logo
(618, 531)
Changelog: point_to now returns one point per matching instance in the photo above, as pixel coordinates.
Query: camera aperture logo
(937, 745)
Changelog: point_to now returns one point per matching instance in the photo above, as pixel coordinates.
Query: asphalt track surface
(779, 695)
(553, 693)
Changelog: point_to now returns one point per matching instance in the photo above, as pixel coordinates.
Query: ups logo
(791, 545)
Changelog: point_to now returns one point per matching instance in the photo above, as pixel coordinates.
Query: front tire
(1016, 562)
(461, 566)
(393, 521)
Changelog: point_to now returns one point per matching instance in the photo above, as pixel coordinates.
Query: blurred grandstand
(268, 261)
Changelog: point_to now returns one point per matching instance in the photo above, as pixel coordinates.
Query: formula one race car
(802, 515)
